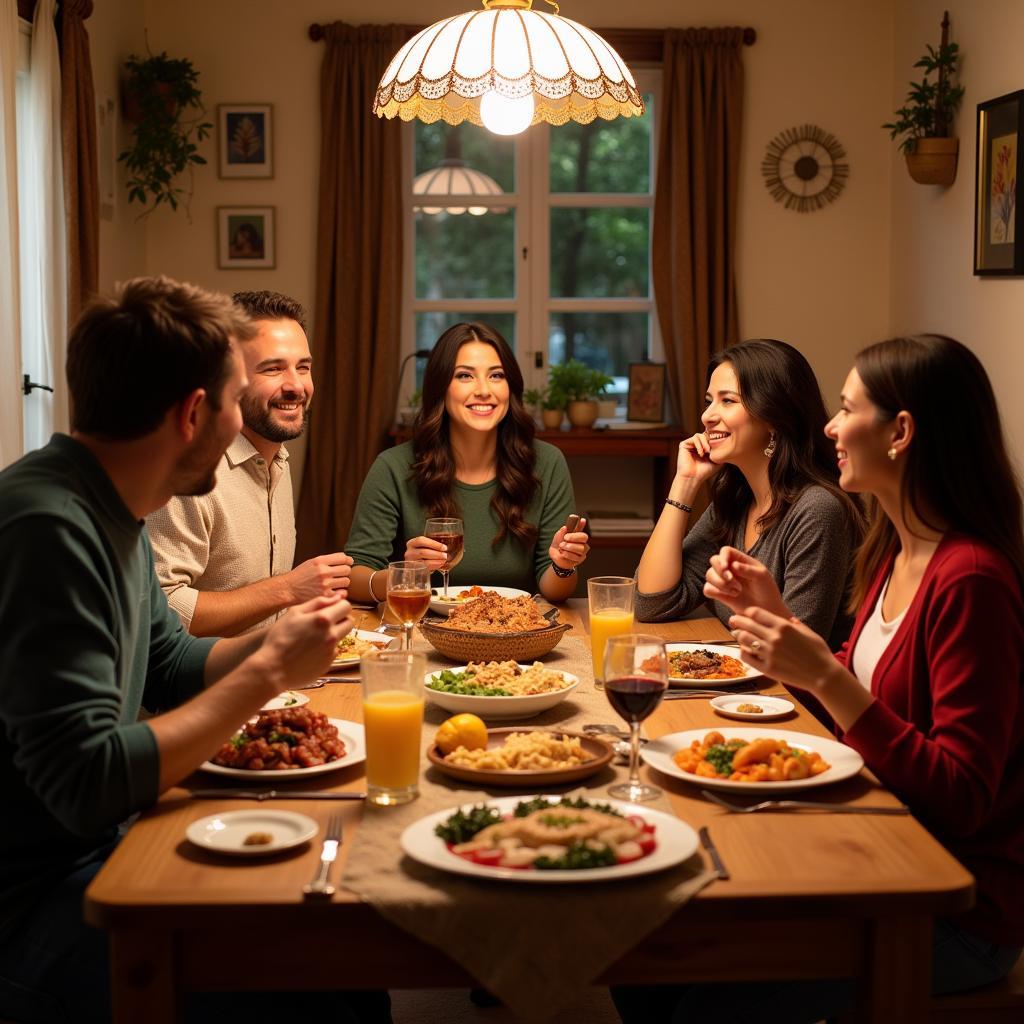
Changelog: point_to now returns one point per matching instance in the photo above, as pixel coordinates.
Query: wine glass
(449, 533)
(408, 594)
(635, 678)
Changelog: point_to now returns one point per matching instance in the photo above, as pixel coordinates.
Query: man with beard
(155, 377)
(224, 559)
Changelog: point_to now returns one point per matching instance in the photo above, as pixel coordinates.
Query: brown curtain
(358, 283)
(81, 173)
(693, 246)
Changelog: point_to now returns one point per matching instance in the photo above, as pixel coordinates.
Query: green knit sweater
(389, 513)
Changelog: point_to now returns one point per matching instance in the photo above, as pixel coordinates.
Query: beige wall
(933, 228)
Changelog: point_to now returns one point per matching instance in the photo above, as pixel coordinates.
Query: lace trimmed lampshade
(507, 67)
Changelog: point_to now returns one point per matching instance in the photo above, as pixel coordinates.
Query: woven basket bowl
(463, 645)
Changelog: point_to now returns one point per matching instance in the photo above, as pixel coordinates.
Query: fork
(799, 805)
(319, 886)
(684, 694)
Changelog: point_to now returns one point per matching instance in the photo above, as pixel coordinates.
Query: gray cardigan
(809, 552)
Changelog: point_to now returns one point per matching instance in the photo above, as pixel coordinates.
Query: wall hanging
(804, 168)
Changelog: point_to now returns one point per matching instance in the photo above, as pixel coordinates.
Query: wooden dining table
(810, 895)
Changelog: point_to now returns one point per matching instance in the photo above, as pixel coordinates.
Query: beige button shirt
(241, 532)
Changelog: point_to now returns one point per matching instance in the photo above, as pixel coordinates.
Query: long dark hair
(778, 386)
(958, 475)
(433, 468)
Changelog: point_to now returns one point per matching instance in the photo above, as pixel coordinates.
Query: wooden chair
(1001, 1003)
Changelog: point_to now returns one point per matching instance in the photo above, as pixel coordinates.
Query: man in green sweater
(154, 377)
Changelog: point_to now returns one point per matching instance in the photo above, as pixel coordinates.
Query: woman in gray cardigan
(773, 476)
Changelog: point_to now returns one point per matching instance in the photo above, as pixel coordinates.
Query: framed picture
(646, 402)
(245, 237)
(998, 222)
(245, 140)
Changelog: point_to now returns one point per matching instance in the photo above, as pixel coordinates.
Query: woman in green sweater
(474, 457)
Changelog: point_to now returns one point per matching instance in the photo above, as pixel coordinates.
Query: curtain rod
(641, 43)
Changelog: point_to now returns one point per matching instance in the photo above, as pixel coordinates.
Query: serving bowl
(466, 645)
(498, 708)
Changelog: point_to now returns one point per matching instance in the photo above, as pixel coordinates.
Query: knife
(712, 852)
(274, 794)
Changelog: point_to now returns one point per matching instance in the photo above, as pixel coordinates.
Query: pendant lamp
(454, 177)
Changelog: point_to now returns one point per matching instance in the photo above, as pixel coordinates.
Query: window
(558, 260)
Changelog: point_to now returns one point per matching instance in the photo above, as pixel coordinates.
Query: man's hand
(322, 576)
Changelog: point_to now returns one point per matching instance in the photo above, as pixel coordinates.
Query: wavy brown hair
(778, 387)
(958, 474)
(433, 468)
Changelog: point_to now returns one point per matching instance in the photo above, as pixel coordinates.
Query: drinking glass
(393, 719)
(611, 613)
(408, 594)
(635, 678)
(448, 532)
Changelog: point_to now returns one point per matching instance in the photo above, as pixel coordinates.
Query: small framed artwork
(998, 221)
(245, 140)
(245, 237)
(646, 401)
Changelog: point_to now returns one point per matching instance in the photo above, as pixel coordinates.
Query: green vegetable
(539, 803)
(721, 755)
(459, 682)
(461, 827)
(579, 856)
(283, 737)
(559, 820)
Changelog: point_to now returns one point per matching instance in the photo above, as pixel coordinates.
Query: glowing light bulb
(505, 116)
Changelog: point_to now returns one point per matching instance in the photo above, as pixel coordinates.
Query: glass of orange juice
(393, 719)
(611, 613)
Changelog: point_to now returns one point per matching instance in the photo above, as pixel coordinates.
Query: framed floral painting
(998, 221)
(245, 140)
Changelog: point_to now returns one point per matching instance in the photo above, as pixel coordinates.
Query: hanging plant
(165, 108)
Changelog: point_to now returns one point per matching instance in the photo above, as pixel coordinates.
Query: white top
(873, 640)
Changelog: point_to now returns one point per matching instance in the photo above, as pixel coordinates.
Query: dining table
(809, 895)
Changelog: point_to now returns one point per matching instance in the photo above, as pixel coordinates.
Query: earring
(770, 450)
(892, 454)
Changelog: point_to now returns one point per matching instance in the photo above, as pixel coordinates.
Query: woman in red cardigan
(929, 686)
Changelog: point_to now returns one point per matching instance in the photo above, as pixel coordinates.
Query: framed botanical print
(245, 140)
(245, 237)
(998, 221)
(646, 401)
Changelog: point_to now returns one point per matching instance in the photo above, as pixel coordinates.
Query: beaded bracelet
(562, 573)
(678, 504)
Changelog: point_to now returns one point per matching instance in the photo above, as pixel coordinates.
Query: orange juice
(394, 727)
(606, 622)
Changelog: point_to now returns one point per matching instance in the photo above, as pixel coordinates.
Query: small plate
(380, 640)
(442, 607)
(695, 683)
(226, 832)
(288, 699)
(352, 735)
(772, 707)
(498, 708)
(600, 751)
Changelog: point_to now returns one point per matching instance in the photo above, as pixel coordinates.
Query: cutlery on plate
(685, 694)
(801, 805)
(607, 729)
(712, 851)
(332, 838)
(274, 794)
(339, 679)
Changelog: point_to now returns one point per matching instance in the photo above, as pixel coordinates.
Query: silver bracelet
(369, 585)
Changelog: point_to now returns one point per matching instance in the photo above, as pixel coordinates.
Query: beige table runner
(534, 946)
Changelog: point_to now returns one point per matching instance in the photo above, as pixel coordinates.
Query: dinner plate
(729, 704)
(692, 682)
(675, 842)
(600, 754)
(226, 832)
(845, 761)
(383, 641)
(288, 699)
(498, 708)
(442, 607)
(352, 736)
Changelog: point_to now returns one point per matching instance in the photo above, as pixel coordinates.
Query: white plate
(442, 607)
(771, 707)
(675, 842)
(731, 652)
(390, 642)
(352, 735)
(226, 832)
(845, 761)
(288, 699)
(497, 708)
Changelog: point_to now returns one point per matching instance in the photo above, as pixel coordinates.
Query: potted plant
(925, 120)
(164, 105)
(552, 408)
(581, 387)
(532, 398)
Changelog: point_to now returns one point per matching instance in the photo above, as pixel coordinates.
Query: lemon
(461, 731)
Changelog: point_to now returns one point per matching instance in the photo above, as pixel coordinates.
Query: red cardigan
(946, 732)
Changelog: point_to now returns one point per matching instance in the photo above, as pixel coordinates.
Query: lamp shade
(456, 178)
(571, 73)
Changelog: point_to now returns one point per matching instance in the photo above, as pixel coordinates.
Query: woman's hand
(693, 462)
(569, 549)
(740, 582)
(423, 549)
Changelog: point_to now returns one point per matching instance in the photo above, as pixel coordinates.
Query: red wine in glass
(634, 697)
